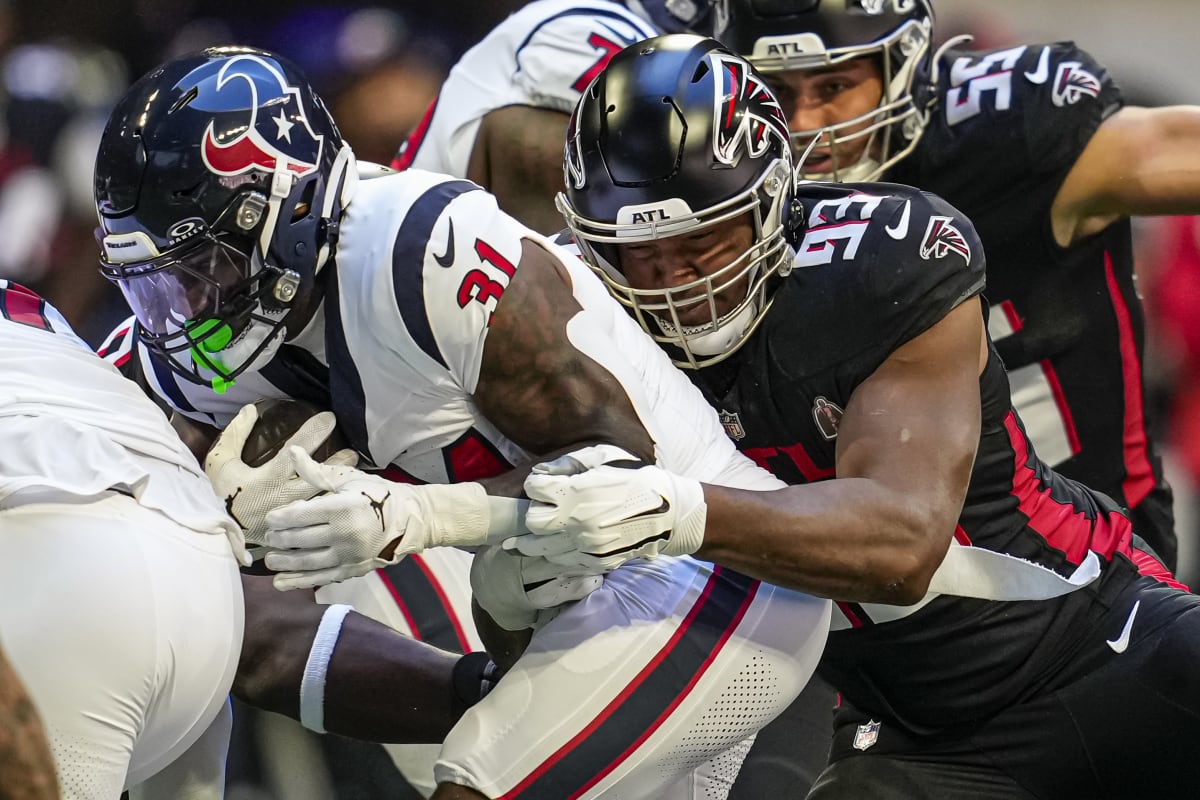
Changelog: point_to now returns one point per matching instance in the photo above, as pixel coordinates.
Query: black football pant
(1128, 730)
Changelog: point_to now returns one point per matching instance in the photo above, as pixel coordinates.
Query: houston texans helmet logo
(943, 238)
(746, 112)
(277, 133)
(1072, 82)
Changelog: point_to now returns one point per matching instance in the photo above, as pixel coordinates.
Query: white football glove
(361, 522)
(250, 492)
(600, 506)
(520, 592)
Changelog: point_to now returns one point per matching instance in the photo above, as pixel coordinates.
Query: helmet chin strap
(344, 176)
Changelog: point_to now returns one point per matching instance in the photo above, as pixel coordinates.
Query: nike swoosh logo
(1119, 644)
(447, 259)
(901, 229)
(1043, 68)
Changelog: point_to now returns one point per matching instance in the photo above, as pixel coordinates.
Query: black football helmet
(220, 181)
(784, 35)
(678, 134)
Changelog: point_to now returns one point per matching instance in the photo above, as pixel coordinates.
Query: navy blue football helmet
(219, 185)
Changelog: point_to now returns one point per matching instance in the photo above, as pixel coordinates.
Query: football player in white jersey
(453, 344)
(130, 652)
(500, 118)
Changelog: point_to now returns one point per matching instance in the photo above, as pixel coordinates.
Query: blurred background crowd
(63, 63)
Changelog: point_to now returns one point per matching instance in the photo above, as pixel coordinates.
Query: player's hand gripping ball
(250, 467)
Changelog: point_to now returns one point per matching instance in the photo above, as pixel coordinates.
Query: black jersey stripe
(650, 698)
(168, 382)
(408, 261)
(298, 374)
(347, 397)
(420, 597)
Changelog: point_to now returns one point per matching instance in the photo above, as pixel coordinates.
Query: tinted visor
(186, 286)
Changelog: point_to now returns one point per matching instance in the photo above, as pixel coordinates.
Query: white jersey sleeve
(543, 55)
(559, 57)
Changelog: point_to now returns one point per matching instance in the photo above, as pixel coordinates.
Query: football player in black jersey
(1032, 142)
(997, 632)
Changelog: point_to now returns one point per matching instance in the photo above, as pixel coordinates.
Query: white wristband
(465, 515)
(312, 685)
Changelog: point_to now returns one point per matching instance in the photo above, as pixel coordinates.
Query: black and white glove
(358, 522)
(600, 506)
(250, 492)
(520, 592)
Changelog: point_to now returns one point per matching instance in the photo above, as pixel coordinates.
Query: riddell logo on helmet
(282, 138)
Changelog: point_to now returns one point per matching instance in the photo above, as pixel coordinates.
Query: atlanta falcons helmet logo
(746, 112)
(1072, 82)
(943, 238)
(277, 133)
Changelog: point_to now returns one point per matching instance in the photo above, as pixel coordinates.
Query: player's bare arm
(906, 446)
(371, 661)
(197, 436)
(26, 768)
(518, 157)
(1141, 161)
(534, 385)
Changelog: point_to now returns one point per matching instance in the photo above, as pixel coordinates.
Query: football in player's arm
(452, 344)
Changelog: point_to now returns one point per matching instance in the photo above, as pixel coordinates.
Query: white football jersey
(72, 424)
(543, 55)
(395, 351)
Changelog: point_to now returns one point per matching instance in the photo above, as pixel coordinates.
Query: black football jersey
(1008, 127)
(879, 265)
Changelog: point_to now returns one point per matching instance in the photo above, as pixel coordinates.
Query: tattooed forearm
(534, 385)
(26, 768)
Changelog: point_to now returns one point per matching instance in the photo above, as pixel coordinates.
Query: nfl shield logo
(732, 424)
(867, 735)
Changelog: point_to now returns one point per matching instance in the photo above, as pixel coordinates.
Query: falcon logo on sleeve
(1073, 82)
(942, 238)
